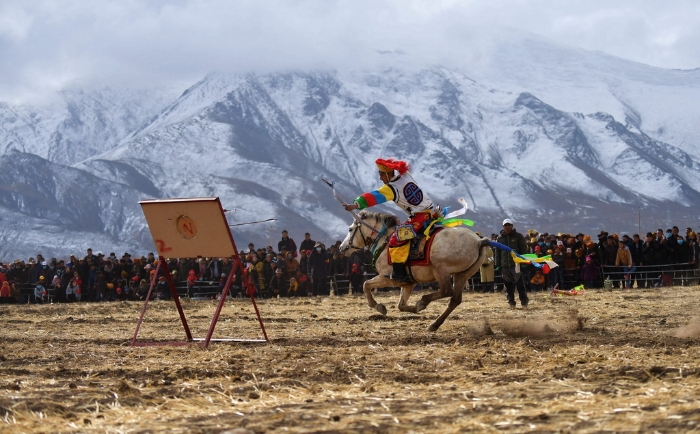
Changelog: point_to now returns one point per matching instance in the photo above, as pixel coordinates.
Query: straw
(611, 361)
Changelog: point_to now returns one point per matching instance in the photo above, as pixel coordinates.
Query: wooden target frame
(188, 228)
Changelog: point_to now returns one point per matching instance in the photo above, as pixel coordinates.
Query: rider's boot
(399, 274)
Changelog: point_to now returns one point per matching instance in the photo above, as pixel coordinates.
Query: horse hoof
(420, 306)
(433, 328)
(381, 309)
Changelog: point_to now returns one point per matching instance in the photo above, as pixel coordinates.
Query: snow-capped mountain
(559, 139)
(78, 123)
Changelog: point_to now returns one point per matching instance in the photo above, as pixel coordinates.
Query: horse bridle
(368, 240)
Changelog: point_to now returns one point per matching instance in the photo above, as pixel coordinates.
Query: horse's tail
(484, 242)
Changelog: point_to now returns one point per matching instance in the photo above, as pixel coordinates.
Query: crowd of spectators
(306, 269)
(287, 271)
(627, 261)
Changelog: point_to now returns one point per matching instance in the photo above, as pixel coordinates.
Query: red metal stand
(203, 342)
(176, 297)
(187, 228)
(237, 264)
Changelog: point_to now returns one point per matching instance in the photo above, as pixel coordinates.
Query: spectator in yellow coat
(537, 281)
(487, 271)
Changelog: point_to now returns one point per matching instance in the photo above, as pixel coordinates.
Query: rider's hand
(350, 206)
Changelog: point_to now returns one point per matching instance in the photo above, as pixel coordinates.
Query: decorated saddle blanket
(419, 250)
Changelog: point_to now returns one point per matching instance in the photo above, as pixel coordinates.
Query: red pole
(215, 318)
(244, 285)
(176, 297)
(145, 304)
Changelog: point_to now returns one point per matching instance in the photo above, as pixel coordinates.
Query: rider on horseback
(400, 187)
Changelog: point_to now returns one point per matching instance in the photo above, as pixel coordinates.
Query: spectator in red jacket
(302, 284)
(191, 282)
(5, 292)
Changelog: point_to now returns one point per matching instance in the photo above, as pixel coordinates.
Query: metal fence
(641, 277)
(202, 290)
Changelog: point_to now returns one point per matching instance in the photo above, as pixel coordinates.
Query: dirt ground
(607, 361)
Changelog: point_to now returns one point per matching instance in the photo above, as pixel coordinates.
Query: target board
(187, 228)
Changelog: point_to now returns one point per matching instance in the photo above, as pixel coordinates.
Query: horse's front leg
(375, 282)
(406, 292)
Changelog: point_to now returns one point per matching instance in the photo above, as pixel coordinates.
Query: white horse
(455, 254)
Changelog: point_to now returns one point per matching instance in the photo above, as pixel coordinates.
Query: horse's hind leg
(460, 280)
(445, 287)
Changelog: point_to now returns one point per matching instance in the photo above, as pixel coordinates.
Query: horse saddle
(419, 251)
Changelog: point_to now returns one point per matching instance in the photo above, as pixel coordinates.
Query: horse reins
(372, 243)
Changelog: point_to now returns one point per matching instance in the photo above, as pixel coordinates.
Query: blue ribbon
(509, 250)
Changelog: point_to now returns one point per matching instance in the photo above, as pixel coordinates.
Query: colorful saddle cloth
(419, 253)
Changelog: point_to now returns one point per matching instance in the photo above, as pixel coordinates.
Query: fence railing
(641, 276)
(685, 274)
(199, 291)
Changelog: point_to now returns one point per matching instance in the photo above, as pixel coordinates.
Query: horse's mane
(388, 220)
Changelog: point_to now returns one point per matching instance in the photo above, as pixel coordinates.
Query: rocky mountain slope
(556, 138)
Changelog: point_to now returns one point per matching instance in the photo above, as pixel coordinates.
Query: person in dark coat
(649, 260)
(287, 243)
(277, 286)
(636, 245)
(504, 261)
(589, 273)
(307, 244)
(356, 276)
(339, 264)
(162, 289)
(611, 246)
(318, 269)
(268, 270)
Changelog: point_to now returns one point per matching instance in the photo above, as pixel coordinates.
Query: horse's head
(355, 239)
(367, 227)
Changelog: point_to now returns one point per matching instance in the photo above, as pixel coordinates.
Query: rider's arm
(376, 197)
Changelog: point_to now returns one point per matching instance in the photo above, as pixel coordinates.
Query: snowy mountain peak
(553, 137)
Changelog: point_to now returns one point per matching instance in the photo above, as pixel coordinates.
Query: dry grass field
(607, 361)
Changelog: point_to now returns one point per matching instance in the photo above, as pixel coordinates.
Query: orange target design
(186, 226)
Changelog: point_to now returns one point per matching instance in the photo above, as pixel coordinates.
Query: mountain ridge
(263, 141)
